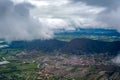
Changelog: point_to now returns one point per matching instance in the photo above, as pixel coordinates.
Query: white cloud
(116, 60)
(37, 19)
(16, 23)
(111, 18)
(80, 14)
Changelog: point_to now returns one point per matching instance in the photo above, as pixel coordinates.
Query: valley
(79, 55)
(36, 65)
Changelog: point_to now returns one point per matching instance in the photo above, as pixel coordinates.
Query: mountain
(43, 45)
(75, 46)
(79, 46)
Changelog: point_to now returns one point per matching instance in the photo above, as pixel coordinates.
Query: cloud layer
(74, 14)
(110, 16)
(37, 19)
(16, 23)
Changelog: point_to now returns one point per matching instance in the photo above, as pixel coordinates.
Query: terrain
(75, 55)
(89, 33)
(75, 46)
(35, 65)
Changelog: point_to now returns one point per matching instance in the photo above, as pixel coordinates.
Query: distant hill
(89, 31)
(75, 46)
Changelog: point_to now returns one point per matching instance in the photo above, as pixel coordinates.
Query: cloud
(75, 15)
(37, 19)
(116, 60)
(16, 23)
(110, 16)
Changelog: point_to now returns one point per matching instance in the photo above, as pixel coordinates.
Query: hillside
(79, 46)
(43, 45)
(76, 46)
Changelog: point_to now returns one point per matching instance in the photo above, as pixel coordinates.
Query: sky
(38, 19)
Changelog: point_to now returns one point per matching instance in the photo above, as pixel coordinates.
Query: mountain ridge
(75, 46)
